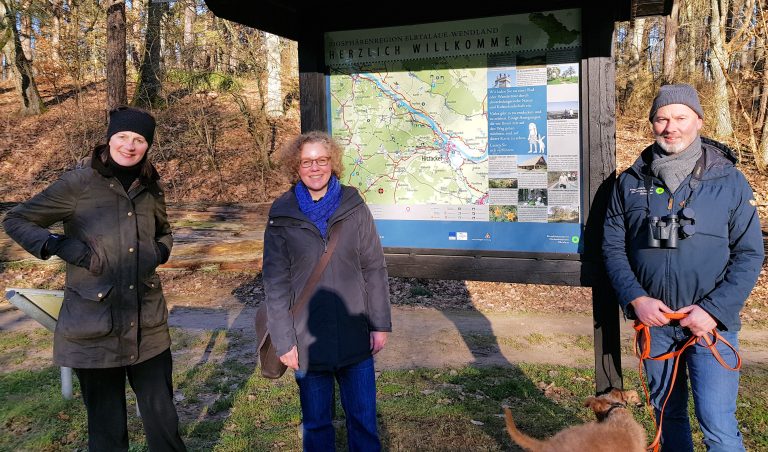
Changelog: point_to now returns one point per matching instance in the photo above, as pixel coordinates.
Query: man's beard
(671, 148)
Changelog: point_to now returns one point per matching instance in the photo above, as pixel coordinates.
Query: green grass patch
(16, 341)
(418, 290)
(204, 80)
(225, 406)
(538, 339)
(34, 416)
(483, 341)
(578, 341)
(16, 347)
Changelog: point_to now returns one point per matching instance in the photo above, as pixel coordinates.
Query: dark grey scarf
(672, 169)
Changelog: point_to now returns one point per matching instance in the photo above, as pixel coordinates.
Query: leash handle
(675, 315)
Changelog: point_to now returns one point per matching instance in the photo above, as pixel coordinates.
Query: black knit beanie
(676, 94)
(131, 119)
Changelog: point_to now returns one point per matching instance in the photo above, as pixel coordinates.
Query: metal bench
(43, 306)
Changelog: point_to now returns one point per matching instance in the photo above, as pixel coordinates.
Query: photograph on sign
(463, 134)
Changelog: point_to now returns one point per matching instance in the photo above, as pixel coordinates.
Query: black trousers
(104, 396)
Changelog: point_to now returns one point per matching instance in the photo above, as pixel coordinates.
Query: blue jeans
(358, 398)
(714, 388)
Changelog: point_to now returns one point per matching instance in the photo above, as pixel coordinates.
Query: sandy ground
(433, 338)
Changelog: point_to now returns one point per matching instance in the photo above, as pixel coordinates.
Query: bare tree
(190, 14)
(57, 11)
(116, 90)
(25, 32)
(761, 25)
(760, 54)
(636, 47)
(31, 103)
(148, 90)
(718, 60)
(670, 43)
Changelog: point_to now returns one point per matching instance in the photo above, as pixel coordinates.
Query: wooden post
(598, 102)
(312, 83)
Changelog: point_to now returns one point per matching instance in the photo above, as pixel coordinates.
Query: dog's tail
(522, 440)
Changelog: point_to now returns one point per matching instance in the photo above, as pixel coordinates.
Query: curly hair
(290, 154)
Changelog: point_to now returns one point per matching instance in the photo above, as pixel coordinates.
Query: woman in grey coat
(347, 319)
(113, 323)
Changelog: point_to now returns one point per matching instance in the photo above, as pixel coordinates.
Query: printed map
(414, 135)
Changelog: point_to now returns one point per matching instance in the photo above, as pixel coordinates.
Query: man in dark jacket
(114, 321)
(682, 235)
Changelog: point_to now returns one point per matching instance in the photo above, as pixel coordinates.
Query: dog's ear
(598, 404)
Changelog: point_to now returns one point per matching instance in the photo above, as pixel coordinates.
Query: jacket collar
(720, 159)
(287, 205)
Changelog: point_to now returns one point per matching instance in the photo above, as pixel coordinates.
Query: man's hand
(698, 321)
(291, 359)
(650, 311)
(378, 341)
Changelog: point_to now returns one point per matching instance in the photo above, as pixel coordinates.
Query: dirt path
(426, 337)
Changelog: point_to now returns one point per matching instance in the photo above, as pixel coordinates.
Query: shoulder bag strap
(314, 278)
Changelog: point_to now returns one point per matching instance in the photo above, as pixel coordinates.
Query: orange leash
(643, 335)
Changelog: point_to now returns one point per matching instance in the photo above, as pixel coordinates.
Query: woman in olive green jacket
(114, 321)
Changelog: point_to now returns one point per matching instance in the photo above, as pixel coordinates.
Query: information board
(463, 134)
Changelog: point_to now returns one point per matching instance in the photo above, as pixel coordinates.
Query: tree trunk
(116, 91)
(761, 55)
(223, 54)
(58, 10)
(26, 33)
(189, 35)
(635, 50)
(690, 28)
(148, 90)
(761, 66)
(670, 43)
(274, 75)
(762, 158)
(134, 42)
(29, 97)
(718, 61)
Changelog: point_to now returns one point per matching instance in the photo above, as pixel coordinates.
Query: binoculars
(664, 232)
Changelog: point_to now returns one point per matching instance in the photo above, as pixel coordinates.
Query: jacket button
(271, 222)
(130, 250)
(152, 285)
(130, 214)
(132, 323)
(99, 294)
(111, 185)
(133, 357)
(131, 287)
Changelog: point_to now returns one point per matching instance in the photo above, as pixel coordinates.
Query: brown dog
(616, 429)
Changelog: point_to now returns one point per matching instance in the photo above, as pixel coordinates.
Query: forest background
(226, 98)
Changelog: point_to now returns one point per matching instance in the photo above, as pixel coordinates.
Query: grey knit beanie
(677, 94)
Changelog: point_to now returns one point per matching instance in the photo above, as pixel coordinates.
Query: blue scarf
(320, 211)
